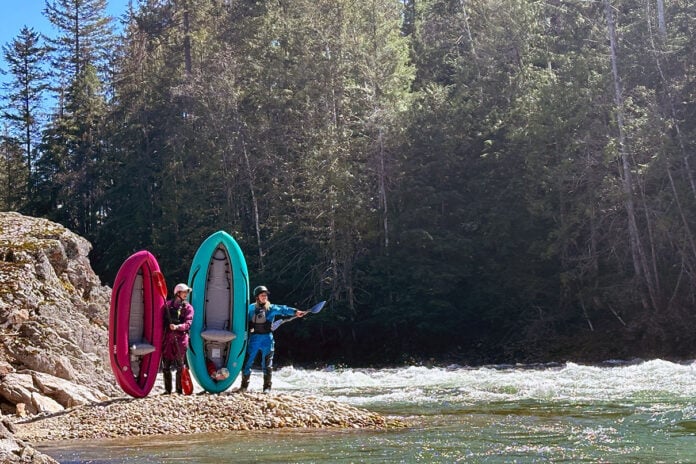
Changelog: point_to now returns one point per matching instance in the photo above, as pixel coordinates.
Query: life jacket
(172, 313)
(259, 324)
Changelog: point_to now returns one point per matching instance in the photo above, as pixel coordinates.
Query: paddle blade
(313, 310)
(186, 382)
(317, 307)
(160, 284)
(277, 323)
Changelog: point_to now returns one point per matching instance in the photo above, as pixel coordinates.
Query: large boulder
(53, 327)
(44, 393)
(53, 317)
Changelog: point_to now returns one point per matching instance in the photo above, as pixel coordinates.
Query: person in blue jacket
(261, 315)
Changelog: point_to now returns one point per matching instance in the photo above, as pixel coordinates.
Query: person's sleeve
(286, 310)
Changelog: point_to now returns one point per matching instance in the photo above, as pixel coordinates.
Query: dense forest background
(466, 180)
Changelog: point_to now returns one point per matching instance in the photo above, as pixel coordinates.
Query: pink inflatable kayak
(136, 324)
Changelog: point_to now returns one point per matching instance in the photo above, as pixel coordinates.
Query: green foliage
(13, 194)
(23, 95)
(84, 36)
(69, 175)
(454, 177)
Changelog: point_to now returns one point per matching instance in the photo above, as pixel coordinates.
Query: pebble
(198, 413)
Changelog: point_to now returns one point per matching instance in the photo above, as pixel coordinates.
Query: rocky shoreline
(198, 413)
(55, 381)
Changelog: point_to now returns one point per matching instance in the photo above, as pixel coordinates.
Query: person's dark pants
(268, 371)
(167, 366)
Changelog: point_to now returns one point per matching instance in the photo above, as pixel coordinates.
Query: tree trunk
(254, 205)
(187, 40)
(382, 175)
(675, 123)
(640, 260)
(467, 29)
(661, 24)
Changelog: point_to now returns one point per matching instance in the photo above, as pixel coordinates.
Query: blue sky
(14, 14)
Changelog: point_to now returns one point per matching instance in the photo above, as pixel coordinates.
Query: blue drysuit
(261, 337)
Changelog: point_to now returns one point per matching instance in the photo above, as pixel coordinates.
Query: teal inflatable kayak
(220, 297)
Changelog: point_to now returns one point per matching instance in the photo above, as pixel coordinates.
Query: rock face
(53, 319)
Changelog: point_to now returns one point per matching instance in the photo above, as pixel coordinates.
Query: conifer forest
(480, 181)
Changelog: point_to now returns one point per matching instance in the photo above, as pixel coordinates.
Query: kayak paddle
(314, 310)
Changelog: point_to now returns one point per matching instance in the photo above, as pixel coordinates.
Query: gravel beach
(198, 413)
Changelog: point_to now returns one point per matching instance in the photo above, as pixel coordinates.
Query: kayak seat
(141, 349)
(218, 335)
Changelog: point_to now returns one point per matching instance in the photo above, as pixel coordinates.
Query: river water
(641, 412)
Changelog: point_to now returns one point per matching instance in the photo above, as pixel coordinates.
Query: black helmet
(259, 290)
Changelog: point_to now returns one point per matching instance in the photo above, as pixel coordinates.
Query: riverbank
(198, 413)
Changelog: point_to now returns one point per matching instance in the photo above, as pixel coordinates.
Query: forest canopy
(477, 181)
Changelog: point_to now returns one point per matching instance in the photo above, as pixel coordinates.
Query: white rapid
(648, 382)
(639, 412)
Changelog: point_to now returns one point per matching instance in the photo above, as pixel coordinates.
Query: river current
(639, 412)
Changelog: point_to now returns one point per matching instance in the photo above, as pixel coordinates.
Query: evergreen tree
(482, 181)
(26, 58)
(85, 37)
(160, 138)
(73, 147)
(12, 170)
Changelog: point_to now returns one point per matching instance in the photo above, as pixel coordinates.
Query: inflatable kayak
(220, 297)
(135, 323)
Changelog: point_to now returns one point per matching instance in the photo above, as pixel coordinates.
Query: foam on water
(648, 382)
(616, 412)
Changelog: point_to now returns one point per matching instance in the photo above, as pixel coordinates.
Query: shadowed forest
(472, 181)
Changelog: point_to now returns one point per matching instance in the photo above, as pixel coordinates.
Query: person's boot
(167, 376)
(179, 388)
(245, 382)
(266, 382)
